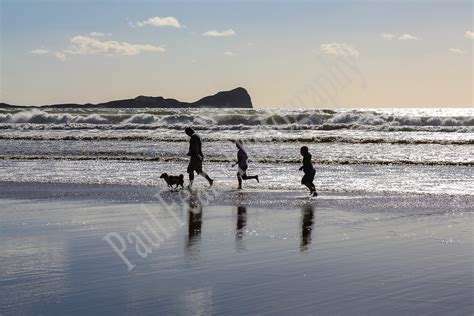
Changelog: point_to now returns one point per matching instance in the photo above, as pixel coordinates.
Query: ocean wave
(41, 117)
(293, 127)
(290, 119)
(140, 119)
(252, 139)
(256, 160)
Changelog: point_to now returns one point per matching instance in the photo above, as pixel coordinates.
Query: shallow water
(425, 151)
(419, 179)
(339, 254)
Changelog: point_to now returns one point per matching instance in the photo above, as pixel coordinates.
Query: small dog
(173, 180)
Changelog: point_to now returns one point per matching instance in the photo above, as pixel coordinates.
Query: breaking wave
(251, 139)
(42, 117)
(240, 119)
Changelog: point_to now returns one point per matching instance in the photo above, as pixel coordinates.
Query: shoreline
(126, 193)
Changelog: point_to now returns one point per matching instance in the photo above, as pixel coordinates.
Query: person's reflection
(194, 224)
(241, 224)
(307, 220)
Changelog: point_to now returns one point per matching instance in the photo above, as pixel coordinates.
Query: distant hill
(236, 98)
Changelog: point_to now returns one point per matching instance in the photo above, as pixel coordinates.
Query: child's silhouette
(309, 171)
(242, 162)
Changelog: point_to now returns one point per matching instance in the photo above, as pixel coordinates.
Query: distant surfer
(196, 157)
(309, 171)
(242, 163)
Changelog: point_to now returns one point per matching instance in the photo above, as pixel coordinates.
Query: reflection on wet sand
(194, 225)
(240, 228)
(307, 221)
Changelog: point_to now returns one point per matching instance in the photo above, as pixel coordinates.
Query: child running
(242, 162)
(309, 171)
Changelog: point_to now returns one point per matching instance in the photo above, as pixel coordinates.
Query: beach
(233, 252)
(238, 158)
(89, 227)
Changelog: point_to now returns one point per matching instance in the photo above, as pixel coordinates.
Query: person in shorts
(196, 157)
(242, 163)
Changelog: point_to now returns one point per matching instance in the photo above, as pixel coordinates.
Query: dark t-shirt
(195, 147)
(242, 159)
(307, 164)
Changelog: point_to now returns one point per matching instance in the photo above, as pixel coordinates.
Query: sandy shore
(232, 252)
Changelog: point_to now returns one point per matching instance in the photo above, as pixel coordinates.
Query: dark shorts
(242, 171)
(308, 177)
(195, 164)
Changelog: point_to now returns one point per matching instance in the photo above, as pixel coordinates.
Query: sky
(311, 54)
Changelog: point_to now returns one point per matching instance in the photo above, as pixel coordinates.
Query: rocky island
(236, 98)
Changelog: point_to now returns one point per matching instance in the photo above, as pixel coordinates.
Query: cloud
(228, 53)
(339, 49)
(99, 34)
(457, 51)
(40, 51)
(214, 33)
(469, 34)
(387, 36)
(168, 21)
(407, 37)
(60, 55)
(84, 45)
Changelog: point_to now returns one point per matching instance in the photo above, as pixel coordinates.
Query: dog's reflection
(307, 222)
(194, 224)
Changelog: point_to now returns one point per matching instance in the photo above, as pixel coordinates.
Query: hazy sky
(285, 53)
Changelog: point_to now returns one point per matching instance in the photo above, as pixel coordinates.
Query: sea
(416, 151)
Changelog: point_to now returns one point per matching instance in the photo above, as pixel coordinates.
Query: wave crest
(41, 117)
(240, 119)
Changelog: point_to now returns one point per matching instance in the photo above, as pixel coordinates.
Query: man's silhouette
(195, 153)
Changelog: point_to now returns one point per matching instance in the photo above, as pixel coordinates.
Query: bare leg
(246, 177)
(191, 179)
(311, 188)
(204, 174)
(239, 178)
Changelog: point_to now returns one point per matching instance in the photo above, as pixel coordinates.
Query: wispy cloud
(60, 55)
(168, 21)
(229, 53)
(84, 45)
(40, 51)
(214, 33)
(403, 37)
(387, 36)
(407, 37)
(339, 49)
(457, 51)
(99, 34)
(469, 34)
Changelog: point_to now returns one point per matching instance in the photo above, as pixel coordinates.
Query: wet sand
(232, 252)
